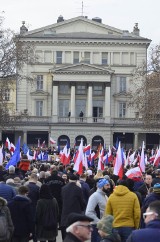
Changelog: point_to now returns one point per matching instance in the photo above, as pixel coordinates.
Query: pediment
(82, 68)
(39, 92)
(78, 24)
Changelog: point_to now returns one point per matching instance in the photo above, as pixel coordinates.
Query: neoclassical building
(83, 66)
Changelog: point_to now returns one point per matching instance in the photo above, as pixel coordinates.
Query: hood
(3, 202)
(121, 190)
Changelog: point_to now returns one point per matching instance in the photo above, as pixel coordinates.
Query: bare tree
(145, 90)
(13, 55)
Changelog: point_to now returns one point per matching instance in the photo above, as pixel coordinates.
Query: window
(122, 110)
(104, 58)
(97, 90)
(97, 108)
(39, 82)
(75, 57)
(6, 95)
(87, 57)
(80, 106)
(59, 57)
(122, 84)
(64, 89)
(39, 108)
(80, 89)
(63, 108)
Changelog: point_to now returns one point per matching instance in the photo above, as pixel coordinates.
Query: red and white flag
(142, 160)
(157, 159)
(52, 141)
(85, 163)
(134, 172)
(78, 166)
(12, 147)
(8, 144)
(100, 160)
(118, 167)
(43, 144)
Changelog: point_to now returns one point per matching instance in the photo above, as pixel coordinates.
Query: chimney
(60, 19)
(23, 28)
(136, 30)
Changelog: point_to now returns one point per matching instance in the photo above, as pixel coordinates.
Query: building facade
(81, 80)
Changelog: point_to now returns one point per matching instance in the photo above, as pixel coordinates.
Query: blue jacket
(149, 234)
(7, 192)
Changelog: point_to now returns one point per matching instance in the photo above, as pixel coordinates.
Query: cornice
(39, 92)
(79, 72)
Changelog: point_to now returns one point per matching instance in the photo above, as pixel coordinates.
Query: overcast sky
(122, 14)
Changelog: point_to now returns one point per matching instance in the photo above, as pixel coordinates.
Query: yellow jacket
(124, 206)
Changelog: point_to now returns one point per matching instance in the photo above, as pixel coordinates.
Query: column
(135, 141)
(111, 60)
(121, 58)
(0, 134)
(73, 102)
(55, 102)
(107, 106)
(90, 103)
(25, 136)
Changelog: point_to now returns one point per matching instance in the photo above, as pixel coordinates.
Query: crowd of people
(38, 198)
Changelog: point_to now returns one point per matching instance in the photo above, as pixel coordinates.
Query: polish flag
(78, 166)
(1, 155)
(12, 147)
(63, 154)
(8, 144)
(87, 148)
(52, 141)
(67, 158)
(100, 160)
(85, 163)
(134, 172)
(118, 167)
(109, 154)
(132, 157)
(43, 144)
(142, 159)
(157, 159)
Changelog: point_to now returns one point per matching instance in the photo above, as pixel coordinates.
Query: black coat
(111, 238)
(45, 206)
(72, 201)
(22, 216)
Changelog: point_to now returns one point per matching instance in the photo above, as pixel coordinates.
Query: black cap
(75, 217)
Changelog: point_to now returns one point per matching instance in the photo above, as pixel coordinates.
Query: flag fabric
(38, 143)
(85, 163)
(43, 144)
(118, 167)
(8, 144)
(100, 160)
(52, 141)
(16, 156)
(29, 156)
(78, 166)
(87, 148)
(1, 155)
(25, 148)
(157, 158)
(109, 154)
(134, 172)
(142, 159)
(12, 147)
(63, 154)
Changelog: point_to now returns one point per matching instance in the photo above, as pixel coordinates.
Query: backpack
(3, 226)
(49, 219)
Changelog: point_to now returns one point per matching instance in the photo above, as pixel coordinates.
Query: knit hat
(106, 224)
(156, 188)
(102, 182)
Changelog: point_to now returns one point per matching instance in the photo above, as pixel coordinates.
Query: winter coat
(46, 206)
(24, 165)
(124, 206)
(150, 198)
(22, 215)
(33, 194)
(72, 199)
(96, 205)
(4, 208)
(7, 192)
(71, 238)
(150, 233)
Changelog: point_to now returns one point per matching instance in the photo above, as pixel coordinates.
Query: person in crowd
(24, 165)
(55, 184)
(46, 216)
(90, 179)
(7, 192)
(152, 230)
(124, 206)
(42, 176)
(11, 173)
(8, 229)
(22, 216)
(2, 173)
(11, 183)
(96, 206)
(105, 229)
(65, 178)
(143, 189)
(72, 200)
(85, 188)
(78, 228)
(156, 179)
